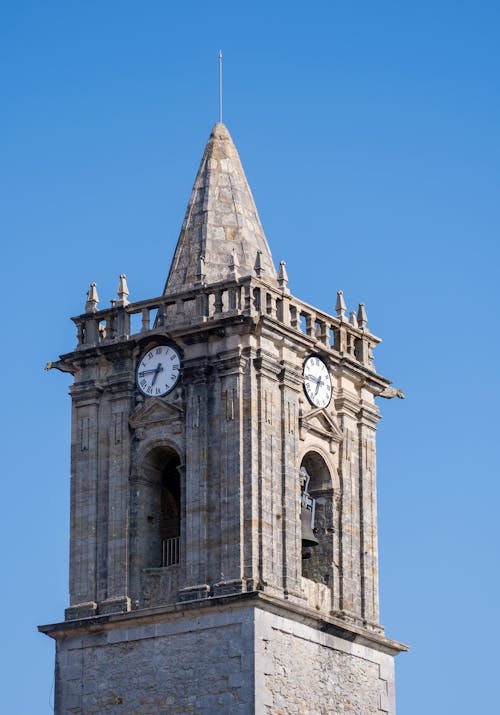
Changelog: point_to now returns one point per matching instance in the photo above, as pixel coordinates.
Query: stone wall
(308, 672)
(220, 659)
(199, 665)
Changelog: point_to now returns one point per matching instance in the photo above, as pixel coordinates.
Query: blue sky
(369, 134)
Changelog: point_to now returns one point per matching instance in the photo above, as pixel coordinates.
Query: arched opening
(317, 558)
(162, 508)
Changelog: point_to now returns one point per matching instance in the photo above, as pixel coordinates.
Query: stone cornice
(121, 385)
(267, 364)
(87, 392)
(368, 415)
(230, 362)
(346, 402)
(257, 599)
(358, 409)
(290, 376)
(197, 370)
(190, 334)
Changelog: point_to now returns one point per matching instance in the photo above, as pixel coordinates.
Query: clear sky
(369, 134)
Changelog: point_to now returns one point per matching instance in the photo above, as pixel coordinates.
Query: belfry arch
(317, 560)
(159, 511)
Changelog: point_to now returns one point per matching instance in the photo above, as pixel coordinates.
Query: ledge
(257, 599)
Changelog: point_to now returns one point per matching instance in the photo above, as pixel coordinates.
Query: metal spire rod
(220, 86)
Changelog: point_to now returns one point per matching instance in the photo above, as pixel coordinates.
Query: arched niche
(318, 470)
(159, 508)
(317, 560)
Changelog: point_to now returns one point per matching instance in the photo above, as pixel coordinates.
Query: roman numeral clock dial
(158, 371)
(317, 383)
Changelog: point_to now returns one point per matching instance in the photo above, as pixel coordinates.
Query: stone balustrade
(247, 297)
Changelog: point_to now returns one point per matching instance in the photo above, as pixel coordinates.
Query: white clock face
(159, 371)
(317, 383)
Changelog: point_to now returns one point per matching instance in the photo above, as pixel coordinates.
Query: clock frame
(317, 382)
(158, 370)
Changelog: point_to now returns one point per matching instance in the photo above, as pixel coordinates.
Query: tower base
(234, 655)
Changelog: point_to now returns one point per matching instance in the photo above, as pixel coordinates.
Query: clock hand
(311, 377)
(148, 372)
(318, 385)
(158, 370)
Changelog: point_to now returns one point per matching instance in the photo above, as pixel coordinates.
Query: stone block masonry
(305, 671)
(230, 657)
(185, 665)
(194, 587)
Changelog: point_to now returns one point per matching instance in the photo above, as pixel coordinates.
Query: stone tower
(223, 552)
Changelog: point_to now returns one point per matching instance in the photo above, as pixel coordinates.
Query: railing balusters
(245, 295)
(170, 551)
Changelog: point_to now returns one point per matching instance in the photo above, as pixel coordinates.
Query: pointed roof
(221, 226)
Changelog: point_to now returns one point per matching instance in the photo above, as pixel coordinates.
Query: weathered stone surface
(194, 497)
(200, 666)
(221, 222)
(226, 660)
(301, 670)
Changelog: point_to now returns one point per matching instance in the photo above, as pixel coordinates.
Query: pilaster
(115, 594)
(270, 470)
(84, 485)
(367, 419)
(347, 407)
(290, 386)
(227, 548)
(196, 543)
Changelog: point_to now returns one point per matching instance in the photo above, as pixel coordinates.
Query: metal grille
(170, 551)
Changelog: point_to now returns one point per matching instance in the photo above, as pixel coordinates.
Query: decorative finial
(220, 86)
(340, 305)
(92, 299)
(200, 268)
(282, 276)
(362, 317)
(234, 265)
(258, 264)
(122, 290)
(352, 319)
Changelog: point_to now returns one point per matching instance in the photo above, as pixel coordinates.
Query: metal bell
(307, 525)
(307, 512)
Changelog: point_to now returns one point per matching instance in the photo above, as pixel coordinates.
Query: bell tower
(223, 546)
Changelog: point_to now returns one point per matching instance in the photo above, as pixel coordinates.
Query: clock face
(159, 371)
(317, 383)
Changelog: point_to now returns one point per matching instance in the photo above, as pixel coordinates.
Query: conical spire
(221, 219)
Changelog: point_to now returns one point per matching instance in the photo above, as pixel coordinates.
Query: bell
(306, 522)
